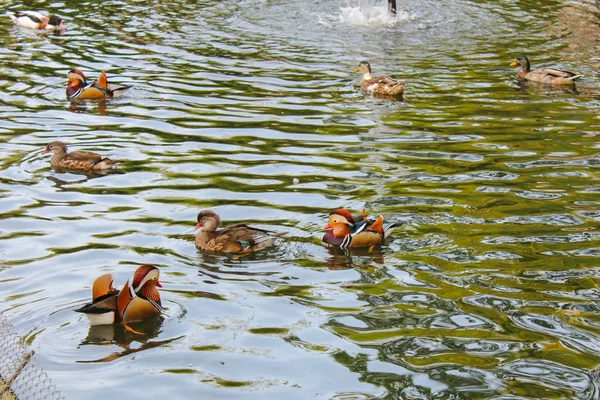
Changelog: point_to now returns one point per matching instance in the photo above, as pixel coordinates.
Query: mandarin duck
(544, 75)
(344, 232)
(134, 302)
(77, 160)
(237, 238)
(35, 20)
(384, 85)
(78, 88)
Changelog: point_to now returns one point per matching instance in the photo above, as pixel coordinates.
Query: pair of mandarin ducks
(141, 299)
(342, 231)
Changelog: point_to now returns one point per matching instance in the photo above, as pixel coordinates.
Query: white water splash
(367, 13)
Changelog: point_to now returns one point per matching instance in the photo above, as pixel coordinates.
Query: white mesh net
(20, 376)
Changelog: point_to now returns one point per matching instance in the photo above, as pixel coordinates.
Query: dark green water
(489, 290)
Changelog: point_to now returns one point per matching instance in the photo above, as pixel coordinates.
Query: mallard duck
(237, 238)
(134, 302)
(544, 75)
(78, 88)
(380, 84)
(77, 160)
(344, 232)
(36, 20)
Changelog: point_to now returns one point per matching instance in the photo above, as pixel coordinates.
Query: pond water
(488, 290)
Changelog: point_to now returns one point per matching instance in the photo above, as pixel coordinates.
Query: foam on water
(367, 13)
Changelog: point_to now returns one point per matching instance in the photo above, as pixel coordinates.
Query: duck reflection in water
(140, 332)
(87, 106)
(545, 88)
(353, 258)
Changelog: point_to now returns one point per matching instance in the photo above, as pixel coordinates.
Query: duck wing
(83, 156)
(557, 73)
(241, 237)
(104, 296)
(109, 89)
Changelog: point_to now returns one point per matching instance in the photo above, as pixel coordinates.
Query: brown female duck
(237, 238)
(383, 85)
(77, 160)
(345, 233)
(545, 75)
(133, 303)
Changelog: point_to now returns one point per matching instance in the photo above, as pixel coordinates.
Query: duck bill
(198, 226)
(45, 152)
(514, 64)
(158, 284)
(327, 227)
(355, 70)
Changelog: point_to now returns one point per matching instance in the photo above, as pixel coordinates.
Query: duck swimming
(344, 232)
(383, 85)
(134, 302)
(237, 238)
(545, 75)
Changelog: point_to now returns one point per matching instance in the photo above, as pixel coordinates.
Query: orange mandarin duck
(237, 238)
(344, 232)
(134, 302)
(553, 76)
(78, 88)
(77, 160)
(36, 20)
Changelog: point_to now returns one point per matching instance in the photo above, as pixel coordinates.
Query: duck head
(145, 278)
(208, 221)
(56, 147)
(364, 67)
(144, 283)
(75, 79)
(340, 222)
(56, 21)
(523, 61)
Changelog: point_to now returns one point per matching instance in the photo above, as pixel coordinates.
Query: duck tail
(389, 227)
(106, 163)
(13, 16)
(574, 78)
(398, 89)
(117, 90)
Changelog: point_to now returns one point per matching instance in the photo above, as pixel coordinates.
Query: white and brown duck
(383, 85)
(76, 160)
(36, 20)
(237, 238)
(134, 302)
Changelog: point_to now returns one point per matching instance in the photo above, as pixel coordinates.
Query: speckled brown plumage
(77, 160)
(383, 85)
(237, 238)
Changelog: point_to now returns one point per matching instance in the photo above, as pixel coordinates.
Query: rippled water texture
(488, 290)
